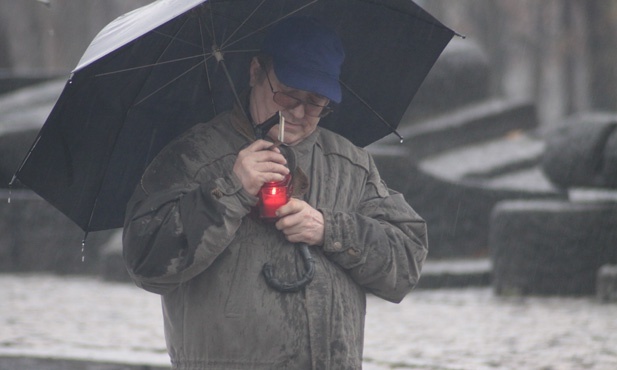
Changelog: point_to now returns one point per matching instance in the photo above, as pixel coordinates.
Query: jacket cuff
(229, 191)
(340, 244)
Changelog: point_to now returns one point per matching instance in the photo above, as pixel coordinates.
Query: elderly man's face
(298, 125)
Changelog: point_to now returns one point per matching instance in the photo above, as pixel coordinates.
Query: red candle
(273, 196)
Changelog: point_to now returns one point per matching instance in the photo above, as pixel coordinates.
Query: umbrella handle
(291, 287)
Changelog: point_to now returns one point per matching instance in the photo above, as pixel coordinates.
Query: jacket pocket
(245, 275)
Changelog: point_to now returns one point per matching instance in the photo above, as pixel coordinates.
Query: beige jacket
(191, 236)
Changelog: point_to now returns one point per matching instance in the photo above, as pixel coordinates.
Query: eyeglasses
(288, 101)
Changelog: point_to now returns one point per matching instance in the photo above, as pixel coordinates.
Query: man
(192, 234)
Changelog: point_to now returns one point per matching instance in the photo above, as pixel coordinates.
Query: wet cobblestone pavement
(455, 329)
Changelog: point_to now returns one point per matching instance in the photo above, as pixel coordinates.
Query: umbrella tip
(400, 138)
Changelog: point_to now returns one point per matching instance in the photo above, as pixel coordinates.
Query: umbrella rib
(98, 192)
(205, 60)
(383, 120)
(233, 88)
(168, 83)
(216, 52)
(271, 23)
(175, 38)
(212, 31)
(153, 65)
(172, 38)
(224, 42)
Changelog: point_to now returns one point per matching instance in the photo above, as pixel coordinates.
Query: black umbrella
(156, 71)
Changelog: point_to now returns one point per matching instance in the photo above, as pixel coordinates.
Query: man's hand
(256, 165)
(301, 223)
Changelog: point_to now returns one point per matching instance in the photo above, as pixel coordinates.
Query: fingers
(292, 207)
(259, 163)
(300, 222)
(263, 151)
(259, 145)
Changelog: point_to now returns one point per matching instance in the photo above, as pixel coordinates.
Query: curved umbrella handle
(291, 287)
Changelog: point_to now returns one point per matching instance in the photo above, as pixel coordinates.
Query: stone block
(606, 289)
(455, 273)
(395, 165)
(456, 191)
(461, 76)
(35, 237)
(458, 213)
(583, 152)
(29, 107)
(13, 148)
(112, 267)
(11, 80)
(22, 113)
(468, 125)
(551, 247)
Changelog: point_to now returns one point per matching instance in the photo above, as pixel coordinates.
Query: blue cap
(306, 55)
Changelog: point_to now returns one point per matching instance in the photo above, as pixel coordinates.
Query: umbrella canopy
(154, 72)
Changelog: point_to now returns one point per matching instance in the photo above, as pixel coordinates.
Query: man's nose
(297, 111)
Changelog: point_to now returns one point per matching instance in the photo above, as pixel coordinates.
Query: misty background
(523, 68)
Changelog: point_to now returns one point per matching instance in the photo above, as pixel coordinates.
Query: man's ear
(254, 72)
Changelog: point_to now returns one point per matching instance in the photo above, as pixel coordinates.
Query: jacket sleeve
(172, 235)
(382, 245)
